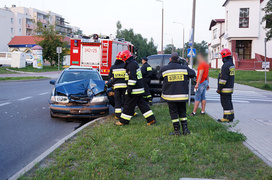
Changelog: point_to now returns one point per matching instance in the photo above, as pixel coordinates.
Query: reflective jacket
(146, 70)
(226, 76)
(135, 81)
(118, 74)
(175, 81)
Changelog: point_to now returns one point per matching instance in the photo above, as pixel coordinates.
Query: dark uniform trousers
(147, 95)
(119, 95)
(226, 102)
(177, 112)
(129, 107)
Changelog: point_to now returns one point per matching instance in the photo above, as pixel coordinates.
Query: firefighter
(117, 77)
(225, 85)
(175, 92)
(146, 70)
(134, 92)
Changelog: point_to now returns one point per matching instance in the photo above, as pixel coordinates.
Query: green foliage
(31, 69)
(145, 47)
(21, 78)
(268, 19)
(49, 40)
(200, 47)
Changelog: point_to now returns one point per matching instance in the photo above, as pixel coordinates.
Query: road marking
(43, 93)
(25, 98)
(3, 104)
(208, 99)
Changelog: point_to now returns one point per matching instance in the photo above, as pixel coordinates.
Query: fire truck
(97, 53)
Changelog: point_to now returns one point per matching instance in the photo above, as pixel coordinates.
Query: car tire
(52, 114)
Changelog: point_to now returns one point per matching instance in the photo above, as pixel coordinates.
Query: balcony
(30, 26)
(44, 21)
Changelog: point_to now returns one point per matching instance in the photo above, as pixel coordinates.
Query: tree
(49, 40)
(145, 47)
(200, 48)
(168, 49)
(268, 19)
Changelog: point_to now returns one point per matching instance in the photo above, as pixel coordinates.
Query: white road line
(3, 104)
(43, 93)
(25, 98)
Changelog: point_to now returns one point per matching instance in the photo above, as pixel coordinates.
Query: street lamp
(162, 25)
(183, 36)
(172, 42)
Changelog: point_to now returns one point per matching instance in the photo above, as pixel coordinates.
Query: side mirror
(53, 82)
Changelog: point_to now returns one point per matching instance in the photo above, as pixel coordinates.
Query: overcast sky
(144, 16)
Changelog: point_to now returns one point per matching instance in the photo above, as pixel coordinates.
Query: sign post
(59, 50)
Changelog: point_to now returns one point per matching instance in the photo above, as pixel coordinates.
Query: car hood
(81, 90)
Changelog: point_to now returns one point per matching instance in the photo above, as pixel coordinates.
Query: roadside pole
(265, 40)
(192, 47)
(59, 50)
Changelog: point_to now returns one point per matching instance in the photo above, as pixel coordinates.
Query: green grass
(31, 69)
(21, 78)
(251, 78)
(104, 151)
(4, 71)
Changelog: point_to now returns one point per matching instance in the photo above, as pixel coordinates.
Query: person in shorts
(202, 84)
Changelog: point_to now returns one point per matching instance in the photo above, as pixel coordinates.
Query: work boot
(151, 123)
(117, 118)
(185, 130)
(119, 124)
(223, 120)
(135, 114)
(175, 133)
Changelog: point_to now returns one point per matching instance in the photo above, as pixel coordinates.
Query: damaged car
(79, 93)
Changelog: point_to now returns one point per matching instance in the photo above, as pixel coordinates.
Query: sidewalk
(253, 109)
(52, 74)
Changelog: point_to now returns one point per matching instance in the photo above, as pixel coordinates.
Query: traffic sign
(191, 52)
(59, 50)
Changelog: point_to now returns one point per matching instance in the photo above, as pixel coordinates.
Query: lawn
(31, 69)
(251, 78)
(21, 78)
(4, 71)
(104, 151)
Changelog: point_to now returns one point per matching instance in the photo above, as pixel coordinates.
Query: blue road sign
(191, 53)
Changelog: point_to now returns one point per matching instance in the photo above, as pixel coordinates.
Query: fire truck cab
(97, 53)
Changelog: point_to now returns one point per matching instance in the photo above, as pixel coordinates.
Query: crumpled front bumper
(78, 110)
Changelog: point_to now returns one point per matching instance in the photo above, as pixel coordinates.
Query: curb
(252, 149)
(51, 149)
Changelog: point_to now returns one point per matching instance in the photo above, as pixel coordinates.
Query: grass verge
(31, 69)
(4, 71)
(251, 78)
(21, 78)
(104, 151)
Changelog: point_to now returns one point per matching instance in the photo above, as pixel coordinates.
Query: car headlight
(99, 99)
(60, 99)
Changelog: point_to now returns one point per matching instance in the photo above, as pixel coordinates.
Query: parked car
(156, 62)
(79, 92)
(29, 59)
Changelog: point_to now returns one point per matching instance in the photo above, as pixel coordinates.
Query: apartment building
(21, 21)
(242, 31)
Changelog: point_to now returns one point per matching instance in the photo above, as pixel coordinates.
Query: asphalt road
(26, 129)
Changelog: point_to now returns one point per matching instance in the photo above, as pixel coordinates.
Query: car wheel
(52, 114)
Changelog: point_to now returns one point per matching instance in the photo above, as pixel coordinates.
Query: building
(243, 32)
(21, 21)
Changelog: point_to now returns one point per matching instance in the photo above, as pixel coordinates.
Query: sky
(144, 16)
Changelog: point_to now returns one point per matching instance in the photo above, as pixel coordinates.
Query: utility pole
(192, 47)
(162, 24)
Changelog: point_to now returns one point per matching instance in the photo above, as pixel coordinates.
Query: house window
(11, 20)
(20, 31)
(11, 30)
(244, 18)
(20, 21)
(214, 33)
(243, 49)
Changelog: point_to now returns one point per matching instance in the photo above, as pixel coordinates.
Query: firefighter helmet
(125, 55)
(225, 53)
(118, 57)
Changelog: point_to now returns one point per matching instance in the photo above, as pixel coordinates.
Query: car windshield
(69, 76)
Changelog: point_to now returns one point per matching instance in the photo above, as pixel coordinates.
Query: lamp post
(183, 37)
(162, 24)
